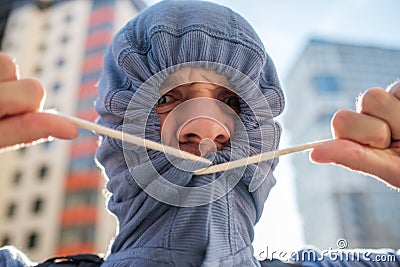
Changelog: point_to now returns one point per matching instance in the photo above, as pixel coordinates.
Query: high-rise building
(51, 194)
(5, 7)
(336, 203)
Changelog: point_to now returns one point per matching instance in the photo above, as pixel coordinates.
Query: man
(196, 76)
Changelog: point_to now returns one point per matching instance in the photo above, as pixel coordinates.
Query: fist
(368, 139)
(21, 119)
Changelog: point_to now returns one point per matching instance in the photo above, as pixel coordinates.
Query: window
(42, 47)
(17, 178)
(37, 205)
(22, 150)
(56, 87)
(64, 39)
(32, 240)
(79, 198)
(38, 70)
(11, 210)
(60, 63)
(77, 234)
(43, 172)
(82, 163)
(5, 241)
(68, 18)
(326, 84)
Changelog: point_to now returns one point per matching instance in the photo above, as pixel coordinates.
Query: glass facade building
(334, 202)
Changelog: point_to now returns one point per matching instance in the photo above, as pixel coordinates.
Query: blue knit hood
(160, 221)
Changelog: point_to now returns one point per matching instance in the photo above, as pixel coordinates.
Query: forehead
(190, 75)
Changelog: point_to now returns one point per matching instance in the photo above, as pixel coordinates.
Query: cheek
(167, 129)
(162, 118)
(231, 125)
(229, 119)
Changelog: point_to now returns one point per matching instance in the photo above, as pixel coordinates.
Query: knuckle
(357, 152)
(35, 90)
(394, 88)
(383, 140)
(7, 66)
(372, 99)
(338, 122)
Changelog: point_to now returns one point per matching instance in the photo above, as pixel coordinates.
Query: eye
(165, 99)
(232, 101)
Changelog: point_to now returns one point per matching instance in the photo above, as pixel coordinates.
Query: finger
(20, 96)
(8, 70)
(384, 105)
(361, 128)
(384, 164)
(394, 89)
(29, 127)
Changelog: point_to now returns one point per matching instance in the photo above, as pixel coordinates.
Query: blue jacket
(161, 223)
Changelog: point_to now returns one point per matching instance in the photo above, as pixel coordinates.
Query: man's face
(198, 117)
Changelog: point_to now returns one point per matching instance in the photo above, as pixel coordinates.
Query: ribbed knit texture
(175, 231)
(12, 257)
(152, 233)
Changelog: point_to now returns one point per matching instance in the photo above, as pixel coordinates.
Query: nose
(206, 133)
(198, 126)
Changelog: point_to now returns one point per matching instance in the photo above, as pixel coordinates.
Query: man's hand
(21, 121)
(367, 140)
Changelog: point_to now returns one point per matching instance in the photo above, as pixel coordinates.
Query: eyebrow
(169, 84)
(165, 89)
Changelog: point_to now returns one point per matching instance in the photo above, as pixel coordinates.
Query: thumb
(380, 163)
(339, 151)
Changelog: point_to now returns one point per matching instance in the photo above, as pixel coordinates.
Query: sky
(285, 26)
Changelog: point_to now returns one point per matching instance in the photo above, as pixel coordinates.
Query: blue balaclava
(168, 216)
